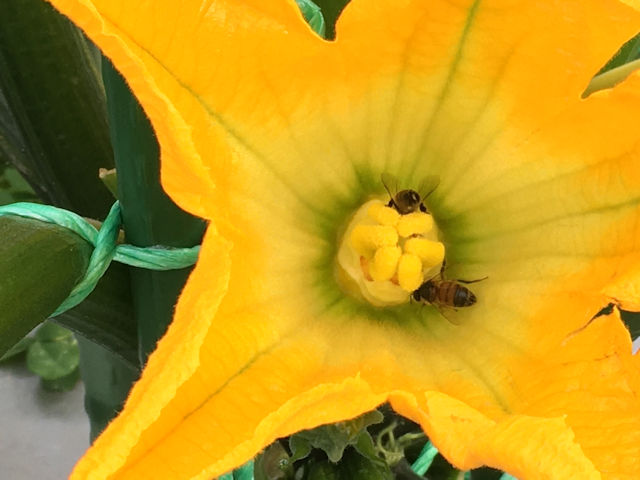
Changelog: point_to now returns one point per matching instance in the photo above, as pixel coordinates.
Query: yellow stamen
(384, 215)
(366, 239)
(385, 263)
(431, 253)
(410, 272)
(387, 255)
(415, 223)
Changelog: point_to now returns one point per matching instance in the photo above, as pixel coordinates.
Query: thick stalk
(149, 216)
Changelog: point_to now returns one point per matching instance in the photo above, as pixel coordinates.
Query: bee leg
(444, 265)
(472, 281)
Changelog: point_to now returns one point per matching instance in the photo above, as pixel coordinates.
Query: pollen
(388, 254)
(384, 215)
(410, 272)
(385, 263)
(415, 223)
(430, 252)
(366, 239)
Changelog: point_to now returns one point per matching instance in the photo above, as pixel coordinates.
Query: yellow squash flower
(280, 138)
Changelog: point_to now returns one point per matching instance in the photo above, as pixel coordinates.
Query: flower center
(384, 255)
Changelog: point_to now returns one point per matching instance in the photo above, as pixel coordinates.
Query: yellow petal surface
(271, 132)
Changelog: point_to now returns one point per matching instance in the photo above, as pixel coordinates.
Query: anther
(409, 272)
(385, 263)
(366, 239)
(415, 223)
(387, 255)
(384, 215)
(431, 253)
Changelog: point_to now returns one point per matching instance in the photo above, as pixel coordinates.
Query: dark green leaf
(402, 471)
(331, 10)
(13, 188)
(53, 126)
(356, 467)
(273, 464)
(18, 348)
(441, 468)
(334, 438)
(54, 354)
(632, 321)
(323, 470)
(313, 15)
(300, 446)
(105, 317)
(39, 265)
(486, 473)
(629, 52)
(365, 447)
(62, 384)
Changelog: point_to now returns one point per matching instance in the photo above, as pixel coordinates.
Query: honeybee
(407, 201)
(446, 293)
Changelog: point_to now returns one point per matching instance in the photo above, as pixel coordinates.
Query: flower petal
(537, 191)
(224, 384)
(518, 444)
(351, 106)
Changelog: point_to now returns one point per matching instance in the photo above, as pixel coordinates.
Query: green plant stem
(149, 216)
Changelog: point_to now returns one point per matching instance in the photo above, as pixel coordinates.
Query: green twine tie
(425, 459)
(105, 246)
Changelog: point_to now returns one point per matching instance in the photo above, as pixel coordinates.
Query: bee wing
(428, 185)
(452, 319)
(390, 183)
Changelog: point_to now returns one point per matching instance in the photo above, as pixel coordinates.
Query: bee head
(407, 201)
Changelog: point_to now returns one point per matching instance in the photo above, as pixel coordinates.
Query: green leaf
(13, 188)
(486, 473)
(300, 446)
(323, 470)
(273, 464)
(364, 446)
(632, 321)
(331, 10)
(356, 467)
(629, 52)
(620, 66)
(39, 265)
(105, 317)
(313, 15)
(17, 349)
(53, 125)
(334, 438)
(54, 354)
